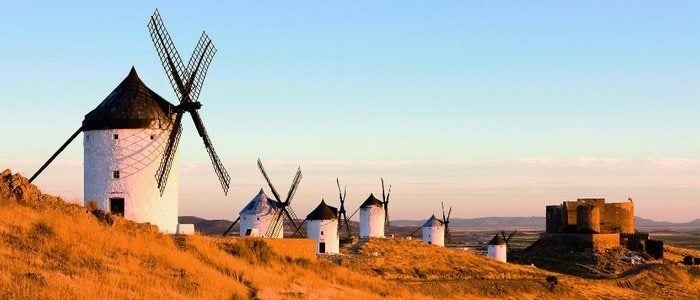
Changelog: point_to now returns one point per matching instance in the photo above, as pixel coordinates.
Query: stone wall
(597, 242)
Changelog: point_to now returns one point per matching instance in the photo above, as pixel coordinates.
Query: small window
(115, 174)
(153, 136)
(258, 219)
(321, 232)
(116, 136)
(87, 137)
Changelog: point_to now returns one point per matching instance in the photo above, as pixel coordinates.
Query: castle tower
(434, 232)
(123, 143)
(322, 226)
(372, 218)
(257, 216)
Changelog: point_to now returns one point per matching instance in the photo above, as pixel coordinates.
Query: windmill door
(322, 247)
(116, 206)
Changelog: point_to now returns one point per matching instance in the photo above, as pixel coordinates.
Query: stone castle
(591, 215)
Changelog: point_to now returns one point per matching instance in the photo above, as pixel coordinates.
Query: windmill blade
(169, 153)
(198, 65)
(347, 225)
(301, 225)
(511, 235)
(444, 218)
(269, 183)
(276, 225)
(414, 232)
(221, 172)
(293, 188)
(449, 213)
(345, 193)
(448, 237)
(340, 194)
(230, 227)
(169, 57)
(291, 216)
(60, 149)
(353, 214)
(383, 195)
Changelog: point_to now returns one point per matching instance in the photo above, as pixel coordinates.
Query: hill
(53, 250)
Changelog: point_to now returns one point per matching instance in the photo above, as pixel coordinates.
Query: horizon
(496, 109)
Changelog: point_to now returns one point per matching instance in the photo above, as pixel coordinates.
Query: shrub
(41, 228)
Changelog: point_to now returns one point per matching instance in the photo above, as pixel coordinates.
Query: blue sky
(499, 108)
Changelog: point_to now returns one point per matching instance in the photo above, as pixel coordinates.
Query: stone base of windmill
(185, 229)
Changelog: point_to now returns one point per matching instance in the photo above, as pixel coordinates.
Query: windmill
(132, 137)
(506, 239)
(187, 84)
(385, 201)
(284, 211)
(342, 214)
(446, 221)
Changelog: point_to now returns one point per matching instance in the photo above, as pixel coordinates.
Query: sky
(495, 108)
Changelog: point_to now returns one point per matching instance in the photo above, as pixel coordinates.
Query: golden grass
(53, 250)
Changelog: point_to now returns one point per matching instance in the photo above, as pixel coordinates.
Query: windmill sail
(187, 82)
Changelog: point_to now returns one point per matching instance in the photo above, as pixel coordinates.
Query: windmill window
(153, 136)
(115, 174)
(321, 232)
(116, 136)
(258, 219)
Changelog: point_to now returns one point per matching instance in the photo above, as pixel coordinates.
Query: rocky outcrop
(18, 188)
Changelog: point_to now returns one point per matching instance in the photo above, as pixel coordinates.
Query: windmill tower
(322, 226)
(257, 216)
(446, 222)
(372, 218)
(342, 214)
(284, 210)
(132, 137)
(434, 232)
(496, 249)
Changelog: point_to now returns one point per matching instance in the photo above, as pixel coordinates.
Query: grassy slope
(49, 249)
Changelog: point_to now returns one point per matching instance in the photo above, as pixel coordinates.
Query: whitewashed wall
(371, 221)
(324, 231)
(261, 222)
(434, 235)
(497, 252)
(136, 156)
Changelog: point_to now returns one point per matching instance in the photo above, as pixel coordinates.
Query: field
(53, 250)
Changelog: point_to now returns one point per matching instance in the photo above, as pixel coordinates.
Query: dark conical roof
(497, 240)
(131, 105)
(323, 212)
(433, 222)
(372, 201)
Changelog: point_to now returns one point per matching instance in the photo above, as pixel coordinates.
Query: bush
(251, 250)
(44, 229)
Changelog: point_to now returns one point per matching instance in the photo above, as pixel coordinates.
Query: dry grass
(53, 250)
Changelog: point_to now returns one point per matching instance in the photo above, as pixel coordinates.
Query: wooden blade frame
(186, 91)
(231, 227)
(60, 149)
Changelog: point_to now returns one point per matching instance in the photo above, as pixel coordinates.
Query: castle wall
(136, 154)
(618, 217)
(597, 242)
(554, 218)
(588, 219)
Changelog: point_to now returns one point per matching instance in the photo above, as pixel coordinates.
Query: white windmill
(132, 137)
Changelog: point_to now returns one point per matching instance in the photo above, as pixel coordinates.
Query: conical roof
(497, 240)
(260, 205)
(433, 222)
(131, 105)
(372, 201)
(323, 212)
